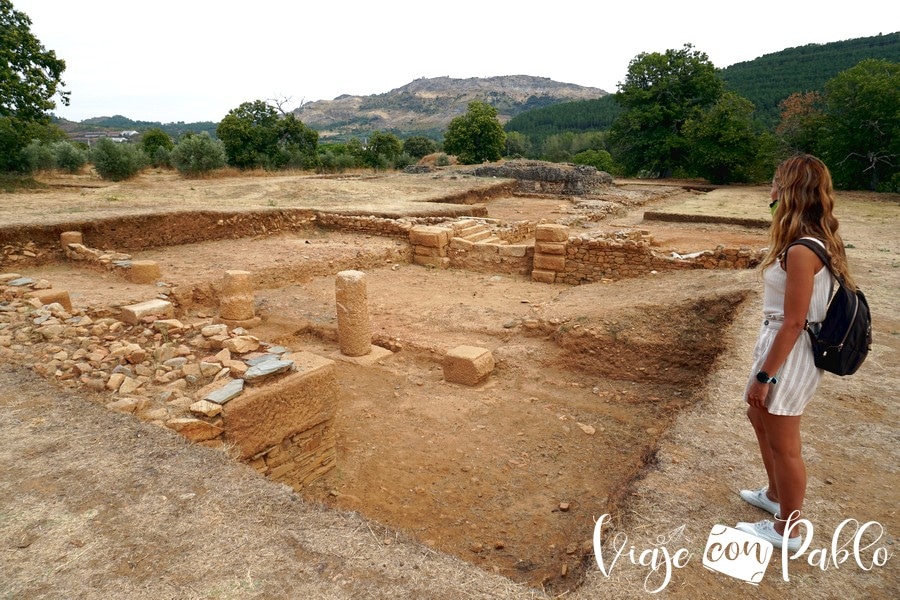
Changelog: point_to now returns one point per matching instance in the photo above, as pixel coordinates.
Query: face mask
(773, 207)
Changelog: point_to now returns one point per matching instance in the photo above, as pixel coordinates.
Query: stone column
(354, 334)
(236, 298)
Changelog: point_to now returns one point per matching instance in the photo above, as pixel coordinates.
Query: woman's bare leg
(783, 436)
(756, 419)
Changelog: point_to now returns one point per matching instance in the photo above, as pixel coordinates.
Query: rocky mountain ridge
(426, 106)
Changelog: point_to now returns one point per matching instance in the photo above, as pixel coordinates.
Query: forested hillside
(770, 79)
(765, 81)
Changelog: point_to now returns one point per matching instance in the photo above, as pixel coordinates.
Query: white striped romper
(798, 377)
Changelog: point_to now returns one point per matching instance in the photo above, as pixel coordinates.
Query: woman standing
(784, 377)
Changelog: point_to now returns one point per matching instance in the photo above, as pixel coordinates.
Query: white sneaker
(765, 529)
(759, 499)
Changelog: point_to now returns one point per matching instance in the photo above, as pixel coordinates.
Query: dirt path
(99, 505)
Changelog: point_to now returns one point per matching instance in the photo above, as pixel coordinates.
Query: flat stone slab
(266, 369)
(258, 360)
(20, 282)
(225, 393)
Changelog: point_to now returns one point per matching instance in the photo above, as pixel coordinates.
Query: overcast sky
(193, 60)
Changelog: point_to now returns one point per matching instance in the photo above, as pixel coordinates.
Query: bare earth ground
(433, 478)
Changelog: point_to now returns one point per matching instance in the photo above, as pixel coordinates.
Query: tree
(255, 135)
(660, 94)
(382, 150)
(722, 140)
(250, 134)
(156, 144)
(599, 159)
(862, 108)
(802, 125)
(30, 77)
(476, 136)
(117, 160)
(198, 154)
(418, 146)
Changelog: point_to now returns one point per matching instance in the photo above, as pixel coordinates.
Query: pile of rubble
(161, 369)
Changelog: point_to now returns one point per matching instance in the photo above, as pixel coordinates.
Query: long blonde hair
(805, 209)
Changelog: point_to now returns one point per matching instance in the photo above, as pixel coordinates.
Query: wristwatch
(763, 377)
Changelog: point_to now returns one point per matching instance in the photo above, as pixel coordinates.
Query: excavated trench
(509, 475)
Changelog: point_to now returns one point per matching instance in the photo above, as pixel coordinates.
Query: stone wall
(548, 178)
(590, 260)
(286, 430)
(365, 224)
(561, 258)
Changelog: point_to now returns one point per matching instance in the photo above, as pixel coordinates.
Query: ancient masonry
(214, 384)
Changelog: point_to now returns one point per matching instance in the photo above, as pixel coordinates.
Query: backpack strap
(817, 249)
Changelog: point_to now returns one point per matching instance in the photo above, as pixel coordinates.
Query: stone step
(472, 229)
(479, 236)
(491, 240)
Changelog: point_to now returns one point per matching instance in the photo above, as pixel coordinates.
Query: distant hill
(117, 124)
(426, 106)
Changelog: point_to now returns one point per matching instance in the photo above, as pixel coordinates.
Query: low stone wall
(561, 258)
(590, 260)
(548, 178)
(365, 224)
(141, 232)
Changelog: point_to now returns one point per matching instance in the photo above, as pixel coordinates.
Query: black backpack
(842, 343)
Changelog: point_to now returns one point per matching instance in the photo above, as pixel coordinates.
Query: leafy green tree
(297, 146)
(723, 142)
(599, 159)
(255, 135)
(863, 119)
(660, 94)
(30, 77)
(154, 140)
(382, 150)
(250, 134)
(198, 154)
(418, 146)
(476, 136)
(117, 160)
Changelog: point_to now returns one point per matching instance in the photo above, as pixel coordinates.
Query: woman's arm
(801, 266)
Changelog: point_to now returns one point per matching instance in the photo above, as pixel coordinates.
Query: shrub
(117, 161)
(38, 156)
(599, 159)
(198, 154)
(69, 157)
